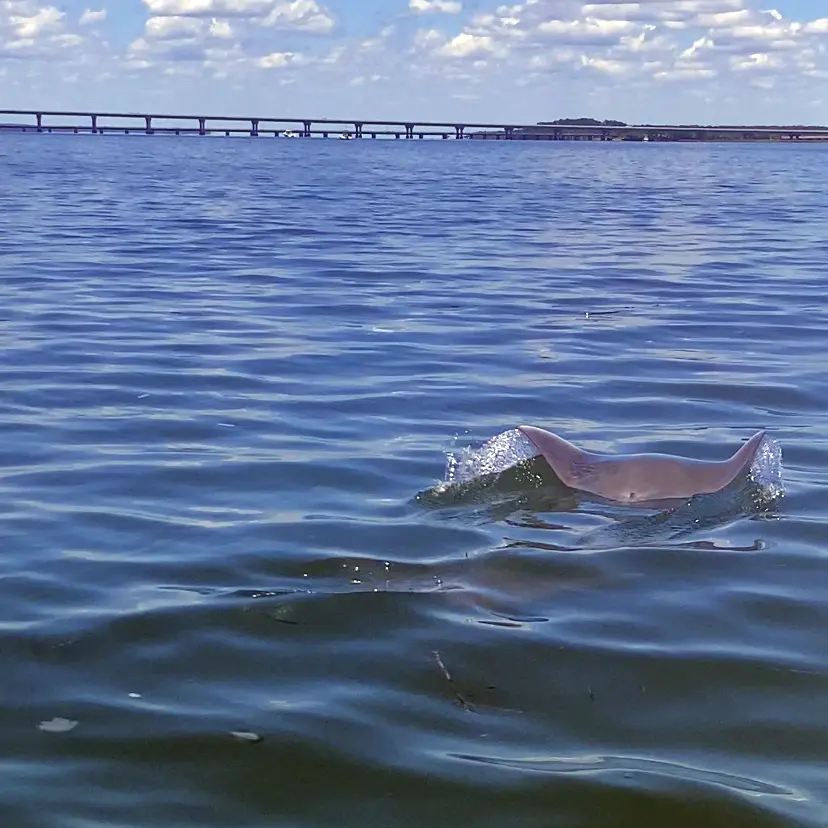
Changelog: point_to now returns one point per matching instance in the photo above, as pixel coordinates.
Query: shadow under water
(506, 480)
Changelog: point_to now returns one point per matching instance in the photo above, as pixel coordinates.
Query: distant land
(582, 122)
(610, 123)
(592, 129)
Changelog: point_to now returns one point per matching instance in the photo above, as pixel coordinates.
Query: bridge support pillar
(254, 127)
(202, 126)
(148, 119)
(307, 132)
(458, 129)
(358, 130)
(409, 130)
(509, 132)
(39, 117)
(94, 123)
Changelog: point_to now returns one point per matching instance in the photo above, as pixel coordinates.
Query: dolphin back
(630, 478)
(564, 458)
(743, 457)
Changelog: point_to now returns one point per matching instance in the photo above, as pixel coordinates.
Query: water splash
(495, 456)
(766, 469)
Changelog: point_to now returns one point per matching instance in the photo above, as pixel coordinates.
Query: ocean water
(268, 558)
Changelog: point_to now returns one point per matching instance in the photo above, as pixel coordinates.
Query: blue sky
(701, 61)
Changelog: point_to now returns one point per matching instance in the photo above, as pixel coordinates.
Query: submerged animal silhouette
(636, 478)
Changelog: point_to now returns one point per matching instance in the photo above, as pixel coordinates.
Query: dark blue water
(231, 373)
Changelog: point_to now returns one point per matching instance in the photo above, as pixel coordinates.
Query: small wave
(629, 765)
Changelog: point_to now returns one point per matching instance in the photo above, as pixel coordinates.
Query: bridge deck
(180, 124)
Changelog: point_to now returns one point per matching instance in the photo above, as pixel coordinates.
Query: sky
(651, 61)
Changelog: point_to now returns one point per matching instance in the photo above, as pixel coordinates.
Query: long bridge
(99, 122)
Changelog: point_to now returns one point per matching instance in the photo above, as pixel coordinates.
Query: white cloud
(33, 31)
(651, 40)
(756, 62)
(173, 28)
(67, 40)
(607, 67)
(276, 60)
(468, 45)
(722, 20)
(819, 26)
(89, 16)
(586, 31)
(242, 33)
(44, 19)
(432, 6)
(303, 15)
(221, 29)
(685, 73)
(425, 39)
(195, 8)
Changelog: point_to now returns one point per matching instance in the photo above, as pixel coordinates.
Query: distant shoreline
(491, 135)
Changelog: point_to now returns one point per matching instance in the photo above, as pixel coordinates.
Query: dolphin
(639, 478)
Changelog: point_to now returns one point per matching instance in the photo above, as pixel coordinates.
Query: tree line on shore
(611, 123)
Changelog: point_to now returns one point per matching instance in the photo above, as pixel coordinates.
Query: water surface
(231, 365)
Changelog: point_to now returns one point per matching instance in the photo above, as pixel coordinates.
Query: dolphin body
(639, 478)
